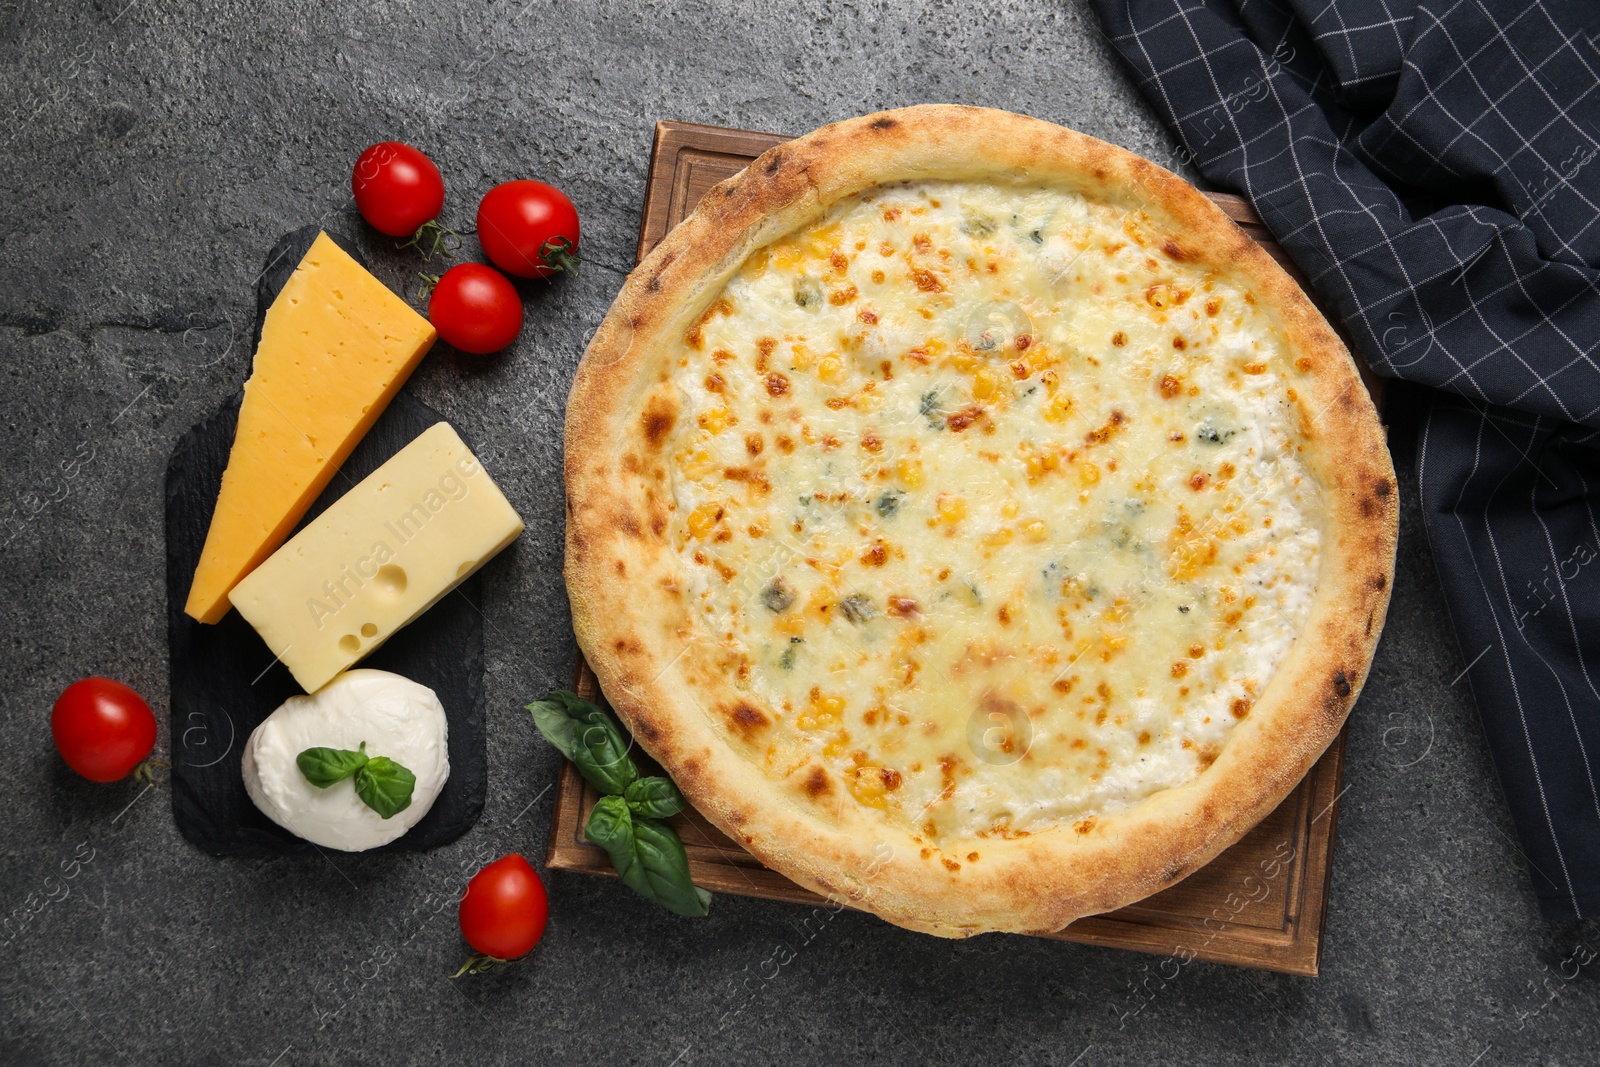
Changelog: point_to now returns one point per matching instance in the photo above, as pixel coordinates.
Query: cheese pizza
(977, 525)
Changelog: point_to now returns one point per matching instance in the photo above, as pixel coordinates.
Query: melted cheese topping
(990, 500)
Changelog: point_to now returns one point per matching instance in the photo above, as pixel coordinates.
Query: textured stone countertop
(152, 153)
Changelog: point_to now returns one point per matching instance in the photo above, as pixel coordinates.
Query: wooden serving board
(1259, 904)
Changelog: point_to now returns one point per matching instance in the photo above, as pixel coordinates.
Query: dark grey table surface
(150, 154)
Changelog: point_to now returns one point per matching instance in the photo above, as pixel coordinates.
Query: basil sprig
(382, 784)
(626, 821)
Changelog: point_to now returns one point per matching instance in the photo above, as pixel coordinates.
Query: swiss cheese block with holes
(383, 554)
(224, 679)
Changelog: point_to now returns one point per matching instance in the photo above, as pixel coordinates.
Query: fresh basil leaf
(556, 717)
(666, 866)
(325, 766)
(654, 798)
(602, 752)
(589, 737)
(385, 786)
(648, 856)
(610, 826)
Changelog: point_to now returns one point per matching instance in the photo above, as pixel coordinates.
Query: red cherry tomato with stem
(475, 309)
(504, 910)
(528, 228)
(102, 728)
(397, 188)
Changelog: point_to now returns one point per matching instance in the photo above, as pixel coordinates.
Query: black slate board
(225, 679)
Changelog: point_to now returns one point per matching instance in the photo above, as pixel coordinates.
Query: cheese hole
(350, 643)
(368, 630)
(466, 568)
(390, 580)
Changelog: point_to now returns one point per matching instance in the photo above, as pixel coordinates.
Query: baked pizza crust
(632, 617)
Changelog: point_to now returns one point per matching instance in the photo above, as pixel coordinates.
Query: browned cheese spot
(1100, 435)
(964, 418)
(902, 607)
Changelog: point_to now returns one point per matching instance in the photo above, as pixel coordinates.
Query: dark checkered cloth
(1434, 168)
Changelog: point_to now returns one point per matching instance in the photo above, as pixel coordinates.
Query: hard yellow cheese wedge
(336, 346)
(383, 554)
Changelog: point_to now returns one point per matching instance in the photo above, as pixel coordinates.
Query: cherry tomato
(528, 228)
(397, 188)
(475, 309)
(504, 910)
(102, 728)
